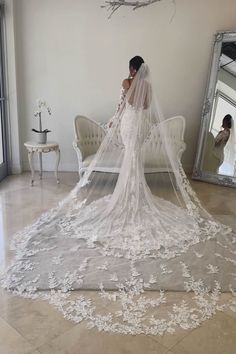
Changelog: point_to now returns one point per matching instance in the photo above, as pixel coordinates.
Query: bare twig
(174, 13)
(114, 5)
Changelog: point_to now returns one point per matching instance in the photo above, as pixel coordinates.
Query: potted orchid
(41, 134)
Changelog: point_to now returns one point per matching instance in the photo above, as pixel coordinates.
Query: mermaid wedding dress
(126, 235)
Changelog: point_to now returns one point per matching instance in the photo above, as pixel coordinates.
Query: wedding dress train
(123, 237)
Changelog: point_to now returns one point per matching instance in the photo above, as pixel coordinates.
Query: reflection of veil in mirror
(127, 234)
(226, 151)
(230, 155)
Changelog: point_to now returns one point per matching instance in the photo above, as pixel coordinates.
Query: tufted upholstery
(89, 136)
(154, 147)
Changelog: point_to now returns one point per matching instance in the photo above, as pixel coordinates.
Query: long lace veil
(231, 147)
(137, 228)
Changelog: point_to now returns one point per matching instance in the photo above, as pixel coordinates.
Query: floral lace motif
(125, 244)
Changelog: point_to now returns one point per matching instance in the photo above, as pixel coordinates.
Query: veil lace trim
(127, 234)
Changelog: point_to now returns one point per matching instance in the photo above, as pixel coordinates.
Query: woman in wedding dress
(221, 140)
(128, 235)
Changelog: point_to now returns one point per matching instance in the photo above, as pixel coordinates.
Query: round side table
(33, 147)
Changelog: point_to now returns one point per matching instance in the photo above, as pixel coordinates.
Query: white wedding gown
(120, 238)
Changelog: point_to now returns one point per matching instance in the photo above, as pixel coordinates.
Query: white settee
(89, 135)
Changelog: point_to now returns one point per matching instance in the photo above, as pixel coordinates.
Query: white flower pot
(41, 137)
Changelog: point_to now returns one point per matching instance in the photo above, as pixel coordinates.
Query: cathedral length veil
(127, 233)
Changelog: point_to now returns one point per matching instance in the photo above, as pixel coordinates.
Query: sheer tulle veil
(138, 228)
(232, 144)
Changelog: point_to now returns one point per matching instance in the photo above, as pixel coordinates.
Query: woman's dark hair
(136, 62)
(227, 120)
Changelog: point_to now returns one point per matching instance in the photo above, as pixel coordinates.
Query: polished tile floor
(34, 327)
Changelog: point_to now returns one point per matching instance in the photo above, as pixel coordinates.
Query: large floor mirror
(216, 155)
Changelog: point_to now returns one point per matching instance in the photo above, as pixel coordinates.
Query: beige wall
(70, 54)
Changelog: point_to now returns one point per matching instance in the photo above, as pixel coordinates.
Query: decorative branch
(114, 5)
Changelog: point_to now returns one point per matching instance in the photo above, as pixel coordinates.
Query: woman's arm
(120, 103)
(126, 85)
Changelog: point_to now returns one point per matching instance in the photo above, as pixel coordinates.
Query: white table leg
(31, 163)
(40, 165)
(57, 164)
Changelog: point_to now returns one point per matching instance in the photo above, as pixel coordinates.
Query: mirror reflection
(220, 144)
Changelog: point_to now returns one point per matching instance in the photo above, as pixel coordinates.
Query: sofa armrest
(78, 150)
(182, 148)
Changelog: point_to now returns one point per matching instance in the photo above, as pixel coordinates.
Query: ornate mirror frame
(198, 172)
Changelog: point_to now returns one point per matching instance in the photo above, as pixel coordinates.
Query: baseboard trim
(71, 167)
(16, 169)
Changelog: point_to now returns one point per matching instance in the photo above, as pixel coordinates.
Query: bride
(124, 236)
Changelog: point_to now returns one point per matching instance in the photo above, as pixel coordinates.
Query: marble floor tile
(170, 340)
(216, 199)
(80, 340)
(21, 204)
(37, 321)
(229, 220)
(11, 342)
(35, 327)
(216, 336)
